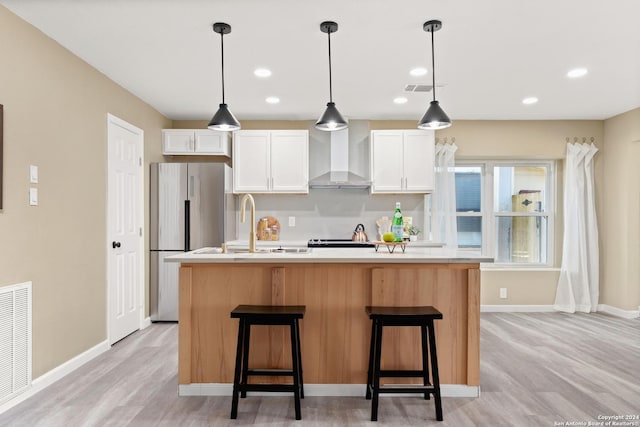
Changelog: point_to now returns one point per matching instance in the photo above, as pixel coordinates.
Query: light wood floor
(537, 369)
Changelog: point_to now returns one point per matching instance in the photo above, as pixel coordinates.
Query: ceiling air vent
(418, 88)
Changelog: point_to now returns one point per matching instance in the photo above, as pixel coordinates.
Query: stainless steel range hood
(339, 175)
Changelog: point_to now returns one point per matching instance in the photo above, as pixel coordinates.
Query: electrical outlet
(503, 293)
(292, 221)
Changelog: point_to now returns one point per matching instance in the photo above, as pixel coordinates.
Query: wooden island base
(335, 331)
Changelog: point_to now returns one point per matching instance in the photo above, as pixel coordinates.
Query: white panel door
(386, 161)
(251, 171)
(290, 161)
(124, 222)
(419, 152)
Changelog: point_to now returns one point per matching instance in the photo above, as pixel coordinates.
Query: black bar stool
(403, 316)
(267, 315)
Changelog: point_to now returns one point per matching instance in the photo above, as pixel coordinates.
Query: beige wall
(523, 287)
(55, 115)
(620, 228)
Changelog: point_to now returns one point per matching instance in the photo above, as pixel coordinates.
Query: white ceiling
(490, 54)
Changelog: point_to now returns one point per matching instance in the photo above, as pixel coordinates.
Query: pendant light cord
(330, 85)
(222, 54)
(433, 65)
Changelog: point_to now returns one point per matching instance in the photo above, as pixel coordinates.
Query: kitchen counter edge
(339, 255)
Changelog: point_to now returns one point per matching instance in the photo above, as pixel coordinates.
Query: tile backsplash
(333, 213)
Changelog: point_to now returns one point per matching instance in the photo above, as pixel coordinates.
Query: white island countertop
(413, 254)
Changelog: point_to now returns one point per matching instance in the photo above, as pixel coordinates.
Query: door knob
(115, 244)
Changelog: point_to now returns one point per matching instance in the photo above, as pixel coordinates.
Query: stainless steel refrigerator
(192, 206)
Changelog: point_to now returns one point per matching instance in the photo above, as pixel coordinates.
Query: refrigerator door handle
(187, 225)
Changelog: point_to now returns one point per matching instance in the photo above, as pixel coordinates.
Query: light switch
(292, 221)
(33, 174)
(33, 196)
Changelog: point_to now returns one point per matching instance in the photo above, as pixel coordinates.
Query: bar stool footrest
(270, 372)
(267, 387)
(401, 373)
(411, 389)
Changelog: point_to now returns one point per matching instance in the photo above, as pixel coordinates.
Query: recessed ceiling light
(262, 72)
(577, 72)
(400, 100)
(418, 71)
(272, 100)
(530, 100)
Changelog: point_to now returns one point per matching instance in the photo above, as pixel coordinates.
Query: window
(505, 209)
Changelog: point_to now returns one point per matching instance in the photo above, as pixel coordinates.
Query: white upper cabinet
(402, 161)
(271, 161)
(195, 142)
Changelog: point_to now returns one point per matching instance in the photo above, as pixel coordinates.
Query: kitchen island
(335, 285)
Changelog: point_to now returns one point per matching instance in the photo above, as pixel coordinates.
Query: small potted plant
(413, 233)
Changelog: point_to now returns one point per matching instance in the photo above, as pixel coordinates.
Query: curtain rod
(584, 139)
(446, 140)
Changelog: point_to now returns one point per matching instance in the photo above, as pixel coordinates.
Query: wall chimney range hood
(339, 175)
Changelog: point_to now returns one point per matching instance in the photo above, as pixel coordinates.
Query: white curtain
(443, 202)
(578, 286)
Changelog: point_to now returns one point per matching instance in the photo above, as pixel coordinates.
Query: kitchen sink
(290, 250)
(244, 250)
(233, 250)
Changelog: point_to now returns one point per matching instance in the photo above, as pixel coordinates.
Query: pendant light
(331, 119)
(223, 120)
(435, 117)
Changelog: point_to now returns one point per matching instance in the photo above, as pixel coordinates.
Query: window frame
(490, 215)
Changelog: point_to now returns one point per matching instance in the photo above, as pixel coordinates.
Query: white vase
(413, 238)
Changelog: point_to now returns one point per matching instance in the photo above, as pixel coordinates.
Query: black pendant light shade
(435, 117)
(331, 119)
(223, 119)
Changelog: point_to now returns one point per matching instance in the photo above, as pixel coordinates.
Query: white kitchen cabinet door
(419, 153)
(177, 141)
(402, 161)
(211, 142)
(271, 161)
(195, 142)
(251, 165)
(290, 161)
(387, 161)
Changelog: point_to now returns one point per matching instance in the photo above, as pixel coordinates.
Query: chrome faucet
(252, 207)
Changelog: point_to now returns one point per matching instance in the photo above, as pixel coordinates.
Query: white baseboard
(45, 380)
(614, 311)
(618, 312)
(343, 390)
(146, 322)
(517, 308)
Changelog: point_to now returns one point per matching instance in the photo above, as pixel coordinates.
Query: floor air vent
(15, 340)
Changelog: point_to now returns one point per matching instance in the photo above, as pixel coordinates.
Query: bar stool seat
(249, 315)
(403, 316)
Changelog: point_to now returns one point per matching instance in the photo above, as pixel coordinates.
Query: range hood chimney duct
(339, 175)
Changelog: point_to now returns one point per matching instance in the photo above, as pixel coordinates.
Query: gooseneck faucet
(252, 228)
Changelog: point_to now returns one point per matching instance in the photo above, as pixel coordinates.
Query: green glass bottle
(397, 227)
